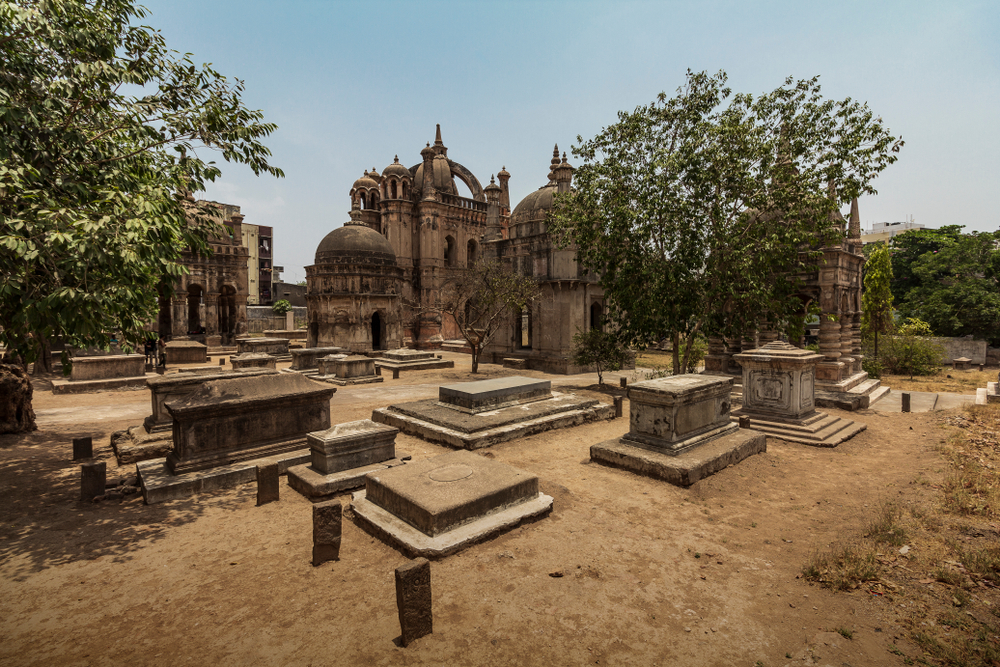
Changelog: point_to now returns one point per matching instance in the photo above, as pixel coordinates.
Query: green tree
(956, 287)
(601, 350)
(281, 307)
(101, 134)
(699, 211)
(481, 299)
(910, 246)
(876, 299)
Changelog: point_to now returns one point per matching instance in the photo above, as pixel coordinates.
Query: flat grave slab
(414, 360)
(483, 395)
(440, 505)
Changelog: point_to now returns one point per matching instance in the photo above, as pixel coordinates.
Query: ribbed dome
(365, 183)
(535, 206)
(355, 244)
(396, 169)
(446, 179)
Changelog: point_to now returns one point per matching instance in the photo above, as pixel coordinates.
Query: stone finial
(564, 158)
(395, 160)
(555, 155)
(355, 215)
(854, 229)
(437, 136)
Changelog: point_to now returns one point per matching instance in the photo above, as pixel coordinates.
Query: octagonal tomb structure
(438, 506)
(680, 430)
(471, 415)
(228, 421)
(273, 346)
(342, 456)
(249, 360)
(779, 385)
(347, 369)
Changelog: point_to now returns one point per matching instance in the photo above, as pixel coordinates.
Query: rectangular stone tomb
(479, 414)
(779, 385)
(308, 357)
(252, 360)
(484, 395)
(344, 370)
(441, 505)
(107, 367)
(226, 421)
(275, 346)
(404, 359)
(186, 352)
(679, 430)
(342, 456)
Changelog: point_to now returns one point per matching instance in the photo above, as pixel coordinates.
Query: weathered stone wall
(955, 348)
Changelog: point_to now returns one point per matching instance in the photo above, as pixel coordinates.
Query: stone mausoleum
(411, 231)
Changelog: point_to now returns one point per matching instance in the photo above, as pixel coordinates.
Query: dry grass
(655, 359)
(959, 382)
(945, 582)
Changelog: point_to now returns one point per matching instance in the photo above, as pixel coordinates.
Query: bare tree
(480, 299)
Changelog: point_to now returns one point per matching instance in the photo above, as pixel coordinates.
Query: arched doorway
(194, 300)
(376, 331)
(596, 316)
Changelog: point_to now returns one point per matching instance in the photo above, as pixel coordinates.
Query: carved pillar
(767, 332)
(830, 369)
(733, 347)
(179, 317)
(856, 341)
(749, 341)
(211, 314)
(716, 360)
(846, 341)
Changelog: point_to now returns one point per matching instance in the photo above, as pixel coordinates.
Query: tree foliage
(481, 299)
(101, 129)
(955, 287)
(910, 246)
(596, 347)
(695, 210)
(876, 299)
(281, 306)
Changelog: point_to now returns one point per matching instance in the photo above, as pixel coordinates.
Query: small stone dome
(397, 170)
(355, 244)
(364, 183)
(535, 206)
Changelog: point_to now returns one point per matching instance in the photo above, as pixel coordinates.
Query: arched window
(363, 202)
(449, 251)
(596, 316)
(392, 189)
(404, 190)
(472, 252)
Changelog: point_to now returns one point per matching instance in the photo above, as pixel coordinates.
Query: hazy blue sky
(352, 84)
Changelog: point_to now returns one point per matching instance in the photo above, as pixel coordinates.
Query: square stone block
(483, 395)
(352, 366)
(252, 360)
(352, 445)
(408, 355)
(676, 413)
(779, 380)
(186, 352)
(439, 494)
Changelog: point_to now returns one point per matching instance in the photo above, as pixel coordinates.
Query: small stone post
(395, 373)
(618, 406)
(93, 478)
(744, 421)
(623, 382)
(83, 448)
(413, 600)
(267, 484)
(327, 531)
(378, 370)
(222, 361)
(906, 401)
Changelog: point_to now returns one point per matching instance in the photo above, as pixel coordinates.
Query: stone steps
(823, 430)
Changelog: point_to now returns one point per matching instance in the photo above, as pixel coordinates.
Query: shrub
(599, 349)
(910, 355)
(281, 307)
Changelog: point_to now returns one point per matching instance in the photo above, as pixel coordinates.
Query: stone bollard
(439, 356)
(378, 370)
(413, 600)
(83, 448)
(906, 401)
(395, 373)
(744, 422)
(623, 382)
(327, 531)
(267, 484)
(222, 361)
(93, 478)
(618, 406)
(982, 367)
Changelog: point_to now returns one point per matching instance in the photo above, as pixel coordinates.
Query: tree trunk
(677, 352)
(16, 413)
(475, 357)
(43, 364)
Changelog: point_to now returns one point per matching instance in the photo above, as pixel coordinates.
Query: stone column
(856, 341)
(767, 333)
(749, 342)
(846, 342)
(830, 368)
(179, 317)
(211, 313)
(716, 360)
(732, 347)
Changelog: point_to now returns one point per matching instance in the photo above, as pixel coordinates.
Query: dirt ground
(625, 571)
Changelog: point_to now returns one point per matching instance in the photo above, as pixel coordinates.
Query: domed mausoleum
(353, 290)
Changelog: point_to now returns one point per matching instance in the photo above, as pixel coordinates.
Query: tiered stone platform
(441, 505)
(343, 370)
(472, 415)
(276, 347)
(342, 456)
(306, 360)
(680, 431)
(412, 360)
(856, 392)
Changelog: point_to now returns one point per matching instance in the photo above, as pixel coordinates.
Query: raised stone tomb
(107, 367)
(344, 370)
(273, 346)
(479, 414)
(165, 388)
(440, 505)
(342, 455)
(779, 384)
(226, 421)
(249, 360)
(412, 360)
(186, 352)
(307, 358)
(679, 430)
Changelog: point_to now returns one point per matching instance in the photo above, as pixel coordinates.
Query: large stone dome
(535, 206)
(355, 244)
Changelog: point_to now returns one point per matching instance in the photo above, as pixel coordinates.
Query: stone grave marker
(413, 600)
(327, 531)
(93, 479)
(268, 488)
(83, 448)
